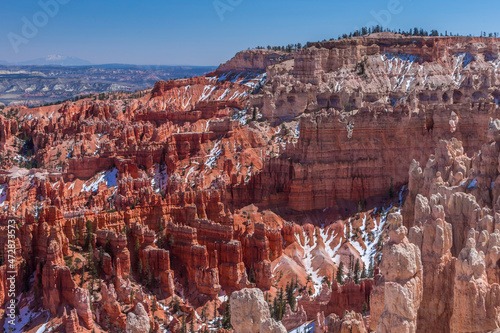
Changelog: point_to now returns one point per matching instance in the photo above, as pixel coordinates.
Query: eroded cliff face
(170, 200)
(253, 61)
(366, 108)
(454, 224)
(433, 236)
(401, 268)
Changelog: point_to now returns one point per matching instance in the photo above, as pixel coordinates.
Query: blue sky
(208, 32)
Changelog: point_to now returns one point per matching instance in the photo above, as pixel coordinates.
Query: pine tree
(107, 246)
(363, 273)
(191, 326)
(89, 235)
(290, 297)
(365, 308)
(183, 328)
(147, 274)
(340, 273)
(100, 261)
(251, 274)
(176, 306)
(90, 262)
(154, 306)
(356, 272)
(140, 270)
(281, 306)
(137, 262)
(391, 189)
(161, 235)
(275, 309)
(226, 321)
(371, 269)
(203, 314)
(82, 275)
(326, 280)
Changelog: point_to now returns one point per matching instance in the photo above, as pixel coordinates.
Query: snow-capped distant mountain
(56, 60)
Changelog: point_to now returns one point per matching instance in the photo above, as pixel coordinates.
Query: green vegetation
(357, 268)
(340, 273)
(89, 237)
(290, 294)
(371, 269)
(285, 48)
(279, 306)
(226, 317)
(375, 29)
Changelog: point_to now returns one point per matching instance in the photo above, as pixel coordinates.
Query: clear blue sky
(194, 32)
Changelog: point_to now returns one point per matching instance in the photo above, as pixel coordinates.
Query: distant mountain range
(57, 60)
(60, 60)
(51, 60)
(49, 81)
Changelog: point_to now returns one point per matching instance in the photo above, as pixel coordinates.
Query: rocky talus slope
(352, 184)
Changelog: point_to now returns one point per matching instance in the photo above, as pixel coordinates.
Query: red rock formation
(295, 319)
(312, 306)
(475, 302)
(70, 322)
(232, 270)
(59, 288)
(256, 255)
(350, 297)
(111, 307)
(351, 322)
(119, 252)
(253, 60)
(401, 268)
(8, 128)
(159, 262)
(434, 239)
(201, 268)
(330, 166)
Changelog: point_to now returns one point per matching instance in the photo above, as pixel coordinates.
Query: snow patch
(213, 156)
(159, 182)
(24, 318)
(207, 91)
(473, 184)
(3, 194)
(105, 176)
(307, 260)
